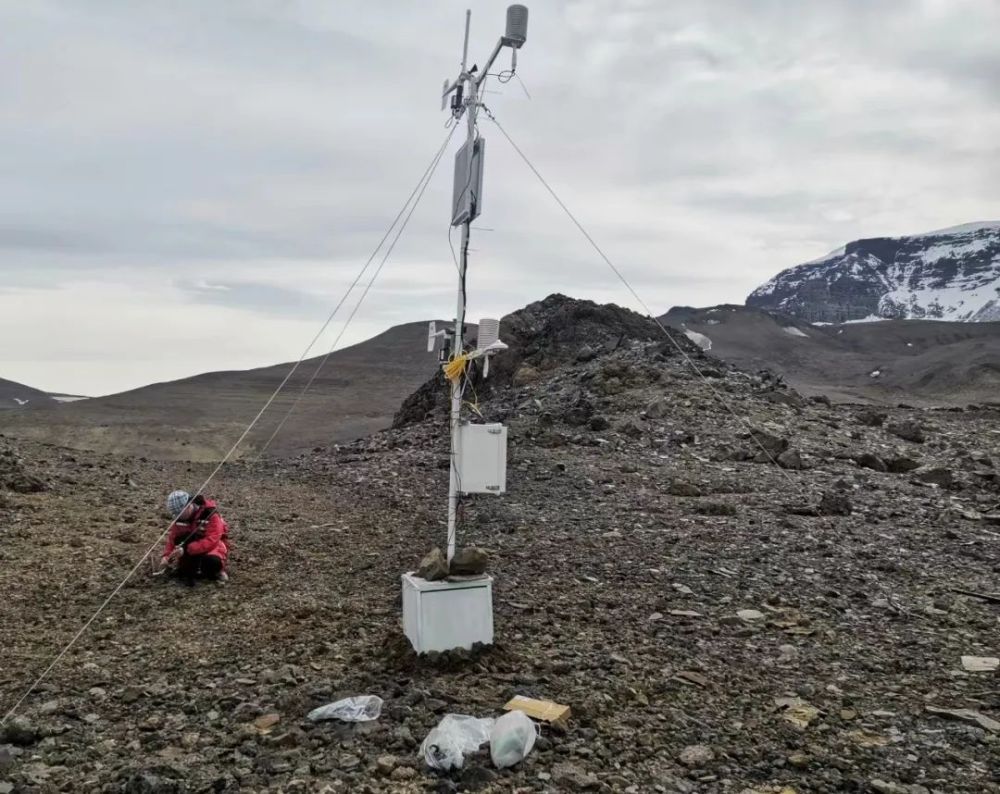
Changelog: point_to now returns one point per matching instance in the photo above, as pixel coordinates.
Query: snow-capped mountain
(950, 274)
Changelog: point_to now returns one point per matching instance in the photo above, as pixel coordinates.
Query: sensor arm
(477, 79)
(489, 63)
(514, 37)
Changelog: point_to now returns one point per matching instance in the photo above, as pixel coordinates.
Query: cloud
(162, 151)
(263, 298)
(27, 238)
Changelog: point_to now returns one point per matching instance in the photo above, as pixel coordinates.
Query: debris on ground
(453, 738)
(363, 708)
(980, 664)
(511, 739)
(541, 710)
(967, 715)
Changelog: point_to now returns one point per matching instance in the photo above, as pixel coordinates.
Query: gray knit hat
(177, 501)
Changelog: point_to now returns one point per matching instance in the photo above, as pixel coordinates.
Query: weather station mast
(457, 612)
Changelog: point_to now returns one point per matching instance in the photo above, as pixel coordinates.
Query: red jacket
(205, 533)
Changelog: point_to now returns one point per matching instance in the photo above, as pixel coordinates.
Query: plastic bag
(362, 708)
(512, 738)
(455, 736)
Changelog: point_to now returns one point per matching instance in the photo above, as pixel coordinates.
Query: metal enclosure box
(442, 616)
(482, 458)
(467, 193)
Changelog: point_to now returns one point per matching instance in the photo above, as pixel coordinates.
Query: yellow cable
(454, 369)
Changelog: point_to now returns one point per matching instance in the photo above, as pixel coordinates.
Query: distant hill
(200, 417)
(949, 274)
(17, 395)
(913, 361)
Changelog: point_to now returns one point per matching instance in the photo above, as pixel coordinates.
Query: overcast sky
(190, 186)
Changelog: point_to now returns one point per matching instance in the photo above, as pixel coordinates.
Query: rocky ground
(773, 599)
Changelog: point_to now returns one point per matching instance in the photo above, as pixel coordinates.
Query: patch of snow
(962, 299)
(791, 330)
(953, 250)
(21, 402)
(909, 344)
(990, 312)
(874, 373)
(699, 339)
(67, 398)
(871, 318)
(820, 323)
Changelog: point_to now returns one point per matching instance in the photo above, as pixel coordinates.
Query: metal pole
(465, 46)
(471, 106)
(456, 395)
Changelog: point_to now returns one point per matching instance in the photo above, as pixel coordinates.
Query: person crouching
(197, 542)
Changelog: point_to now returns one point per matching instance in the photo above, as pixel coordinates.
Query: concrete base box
(442, 616)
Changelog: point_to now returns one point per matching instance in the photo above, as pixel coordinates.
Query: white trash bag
(512, 738)
(363, 708)
(454, 737)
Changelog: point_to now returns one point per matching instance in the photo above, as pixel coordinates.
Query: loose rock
(696, 755)
(434, 566)
(908, 431)
(469, 561)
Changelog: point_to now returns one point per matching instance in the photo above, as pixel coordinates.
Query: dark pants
(198, 566)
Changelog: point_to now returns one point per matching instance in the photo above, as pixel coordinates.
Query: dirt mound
(542, 337)
(399, 657)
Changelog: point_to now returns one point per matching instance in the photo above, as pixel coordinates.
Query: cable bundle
(455, 367)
